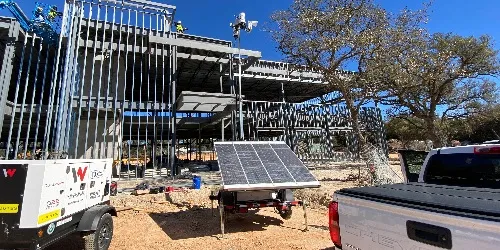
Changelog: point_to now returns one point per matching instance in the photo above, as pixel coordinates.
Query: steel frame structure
(119, 78)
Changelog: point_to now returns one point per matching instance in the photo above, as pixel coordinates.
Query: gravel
(184, 219)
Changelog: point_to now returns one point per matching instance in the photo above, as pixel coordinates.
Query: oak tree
(339, 39)
(438, 77)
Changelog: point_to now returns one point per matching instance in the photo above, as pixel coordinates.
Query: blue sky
(212, 18)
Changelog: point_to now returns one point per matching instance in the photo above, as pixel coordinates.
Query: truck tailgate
(375, 218)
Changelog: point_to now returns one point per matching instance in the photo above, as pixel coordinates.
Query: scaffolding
(119, 83)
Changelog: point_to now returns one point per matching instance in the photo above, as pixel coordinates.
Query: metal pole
(119, 140)
(67, 69)
(42, 91)
(100, 152)
(240, 105)
(82, 85)
(132, 108)
(282, 93)
(199, 141)
(222, 216)
(162, 101)
(73, 75)
(13, 113)
(141, 66)
(92, 153)
(222, 91)
(169, 109)
(6, 71)
(304, 205)
(123, 103)
(233, 91)
(18, 137)
(55, 79)
(154, 109)
(33, 99)
(173, 110)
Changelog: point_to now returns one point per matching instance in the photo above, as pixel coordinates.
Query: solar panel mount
(259, 165)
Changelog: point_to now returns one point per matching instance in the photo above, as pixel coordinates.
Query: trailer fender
(91, 217)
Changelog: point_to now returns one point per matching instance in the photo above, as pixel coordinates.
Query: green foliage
(414, 160)
(425, 73)
(405, 129)
(479, 127)
(330, 35)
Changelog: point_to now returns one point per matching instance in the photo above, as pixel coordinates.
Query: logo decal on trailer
(64, 221)
(49, 216)
(51, 228)
(52, 203)
(75, 195)
(9, 172)
(79, 174)
(96, 174)
(9, 208)
(94, 195)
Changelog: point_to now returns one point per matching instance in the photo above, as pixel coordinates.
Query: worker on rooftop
(39, 14)
(179, 27)
(53, 13)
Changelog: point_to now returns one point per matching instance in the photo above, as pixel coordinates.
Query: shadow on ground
(71, 242)
(179, 205)
(334, 166)
(199, 222)
(320, 227)
(351, 177)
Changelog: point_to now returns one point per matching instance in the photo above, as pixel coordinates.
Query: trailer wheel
(285, 214)
(100, 239)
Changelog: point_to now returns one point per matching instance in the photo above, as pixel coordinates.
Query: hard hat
(179, 22)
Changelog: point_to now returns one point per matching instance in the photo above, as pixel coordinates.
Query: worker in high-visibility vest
(179, 27)
(39, 14)
(53, 13)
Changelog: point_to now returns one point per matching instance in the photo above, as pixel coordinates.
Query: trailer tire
(100, 239)
(285, 214)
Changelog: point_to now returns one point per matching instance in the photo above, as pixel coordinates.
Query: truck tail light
(333, 214)
(487, 150)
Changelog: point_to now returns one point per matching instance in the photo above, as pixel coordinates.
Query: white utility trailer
(42, 202)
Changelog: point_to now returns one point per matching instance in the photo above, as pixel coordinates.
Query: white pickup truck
(451, 200)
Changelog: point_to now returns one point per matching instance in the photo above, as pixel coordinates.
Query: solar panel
(261, 165)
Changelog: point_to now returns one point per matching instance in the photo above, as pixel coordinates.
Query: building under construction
(117, 82)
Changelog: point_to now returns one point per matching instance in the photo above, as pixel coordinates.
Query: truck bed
(419, 216)
(461, 201)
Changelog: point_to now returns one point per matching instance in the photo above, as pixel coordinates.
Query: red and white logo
(9, 172)
(80, 173)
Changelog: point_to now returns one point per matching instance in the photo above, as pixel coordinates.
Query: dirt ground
(185, 220)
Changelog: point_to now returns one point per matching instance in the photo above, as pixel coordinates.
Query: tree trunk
(358, 135)
(432, 132)
(362, 146)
